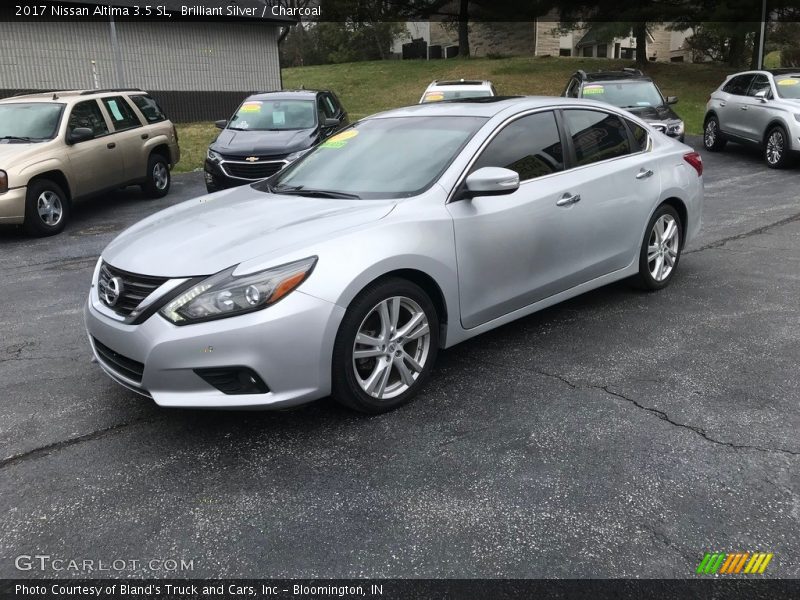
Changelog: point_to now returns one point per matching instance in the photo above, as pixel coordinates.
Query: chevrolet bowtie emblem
(251, 158)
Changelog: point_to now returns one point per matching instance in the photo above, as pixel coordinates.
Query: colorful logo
(727, 563)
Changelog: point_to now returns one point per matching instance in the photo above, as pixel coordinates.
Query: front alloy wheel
(712, 136)
(661, 249)
(386, 346)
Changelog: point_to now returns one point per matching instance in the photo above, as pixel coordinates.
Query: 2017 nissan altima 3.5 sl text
(409, 232)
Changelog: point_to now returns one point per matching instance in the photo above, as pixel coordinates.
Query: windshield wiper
(16, 137)
(299, 191)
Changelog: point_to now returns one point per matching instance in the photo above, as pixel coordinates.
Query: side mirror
(672, 99)
(221, 123)
(334, 122)
(492, 181)
(762, 95)
(80, 134)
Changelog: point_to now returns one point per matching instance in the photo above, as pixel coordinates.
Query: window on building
(628, 53)
(602, 51)
(588, 51)
(531, 146)
(596, 135)
(565, 52)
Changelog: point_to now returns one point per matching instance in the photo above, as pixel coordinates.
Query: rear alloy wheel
(713, 140)
(776, 151)
(46, 208)
(158, 177)
(661, 249)
(386, 346)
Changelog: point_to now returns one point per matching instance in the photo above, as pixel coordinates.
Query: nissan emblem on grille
(113, 290)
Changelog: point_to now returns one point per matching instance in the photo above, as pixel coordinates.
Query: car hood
(654, 113)
(263, 143)
(220, 230)
(15, 152)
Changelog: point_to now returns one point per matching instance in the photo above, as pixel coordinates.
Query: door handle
(743, 107)
(723, 103)
(644, 174)
(145, 136)
(568, 199)
(111, 145)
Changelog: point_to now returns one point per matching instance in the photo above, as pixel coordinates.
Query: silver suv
(757, 107)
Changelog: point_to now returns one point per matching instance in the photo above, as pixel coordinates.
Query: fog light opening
(233, 381)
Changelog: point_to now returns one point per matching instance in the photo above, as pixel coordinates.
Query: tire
(713, 140)
(777, 154)
(413, 357)
(47, 208)
(158, 179)
(654, 249)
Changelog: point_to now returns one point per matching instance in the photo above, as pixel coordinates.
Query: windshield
(788, 86)
(378, 158)
(30, 121)
(274, 115)
(628, 94)
(439, 95)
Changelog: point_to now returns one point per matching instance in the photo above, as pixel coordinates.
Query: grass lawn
(369, 87)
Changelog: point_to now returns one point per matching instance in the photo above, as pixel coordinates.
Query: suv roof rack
(626, 73)
(104, 91)
(40, 93)
(460, 82)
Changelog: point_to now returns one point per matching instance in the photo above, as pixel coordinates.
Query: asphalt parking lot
(620, 434)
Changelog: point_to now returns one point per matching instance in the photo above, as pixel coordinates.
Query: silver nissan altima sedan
(411, 231)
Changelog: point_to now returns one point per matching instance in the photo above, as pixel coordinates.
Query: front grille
(122, 365)
(254, 171)
(133, 288)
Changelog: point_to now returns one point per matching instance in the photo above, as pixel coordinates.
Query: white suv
(757, 107)
(457, 89)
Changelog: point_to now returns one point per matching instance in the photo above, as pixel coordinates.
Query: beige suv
(57, 147)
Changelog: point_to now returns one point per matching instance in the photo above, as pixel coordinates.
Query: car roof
(488, 106)
(612, 76)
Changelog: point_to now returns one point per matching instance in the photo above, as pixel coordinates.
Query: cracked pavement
(620, 434)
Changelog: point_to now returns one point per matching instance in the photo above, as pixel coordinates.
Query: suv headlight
(676, 128)
(223, 295)
(3, 182)
(213, 156)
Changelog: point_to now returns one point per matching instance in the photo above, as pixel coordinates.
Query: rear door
(731, 114)
(129, 135)
(95, 164)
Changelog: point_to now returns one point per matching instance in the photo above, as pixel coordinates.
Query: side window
(149, 107)
(640, 137)
(530, 146)
(88, 114)
(122, 115)
(738, 85)
(572, 89)
(324, 109)
(760, 83)
(332, 107)
(596, 135)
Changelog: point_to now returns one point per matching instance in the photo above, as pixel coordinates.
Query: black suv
(268, 131)
(632, 90)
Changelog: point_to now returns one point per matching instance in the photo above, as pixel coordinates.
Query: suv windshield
(788, 86)
(627, 94)
(29, 121)
(274, 115)
(378, 158)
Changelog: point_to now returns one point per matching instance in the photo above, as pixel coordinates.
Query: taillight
(694, 159)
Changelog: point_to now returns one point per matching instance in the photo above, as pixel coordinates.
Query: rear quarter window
(149, 108)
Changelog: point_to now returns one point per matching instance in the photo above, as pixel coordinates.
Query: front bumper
(12, 206)
(289, 345)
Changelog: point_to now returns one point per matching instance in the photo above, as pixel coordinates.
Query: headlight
(223, 295)
(295, 155)
(676, 128)
(3, 182)
(213, 156)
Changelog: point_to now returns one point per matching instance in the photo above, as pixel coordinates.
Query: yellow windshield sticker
(594, 89)
(251, 107)
(340, 139)
(788, 81)
(434, 97)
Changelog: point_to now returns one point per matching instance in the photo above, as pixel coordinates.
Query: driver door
(96, 164)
